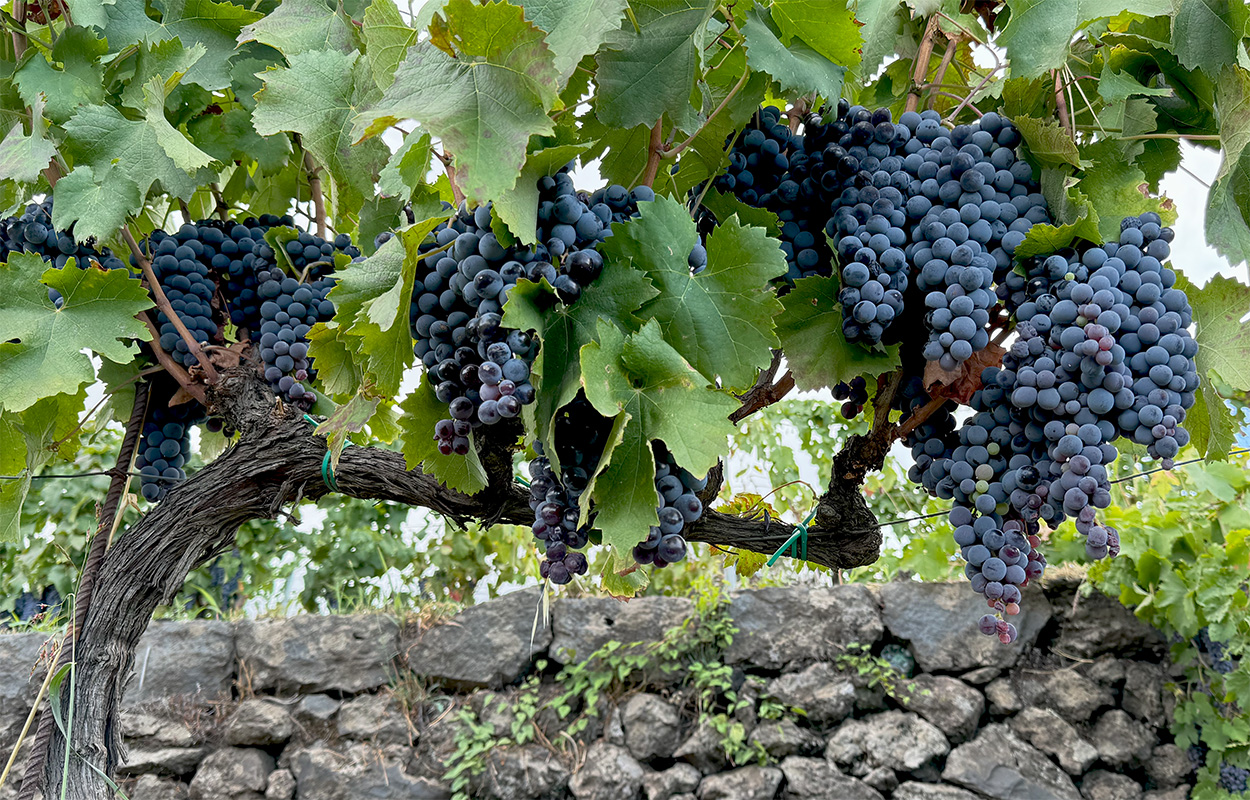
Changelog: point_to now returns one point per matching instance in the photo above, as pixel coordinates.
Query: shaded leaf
(795, 66)
(421, 411)
(301, 26)
(810, 329)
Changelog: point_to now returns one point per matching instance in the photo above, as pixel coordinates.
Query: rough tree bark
(276, 462)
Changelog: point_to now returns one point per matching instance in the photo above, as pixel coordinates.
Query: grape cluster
(854, 396)
(289, 309)
(1215, 652)
(178, 260)
(679, 507)
(166, 443)
(234, 262)
(1234, 780)
(478, 367)
(580, 435)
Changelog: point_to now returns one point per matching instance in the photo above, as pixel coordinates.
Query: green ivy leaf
(1049, 143)
(517, 208)
(642, 376)
(98, 207)
(43, 356)
(575, 28)
(1228, 204)
(214, 25)
(421, 411)
(483, 104)
(881, 22)
(22, 157)
(818, 354)
(649, 66)
(830, 31)
(1206, 34)
(614, 296)
(795, 66)
(721, 321)
(78, 81)
(387, 39)
(302, 26)
(372, 298)
(318, 96)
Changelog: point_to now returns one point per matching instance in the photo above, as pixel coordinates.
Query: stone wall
(340, 708)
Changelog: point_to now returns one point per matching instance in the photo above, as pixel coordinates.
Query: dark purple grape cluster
(1234, 780)
(853, 395)
(181, 262)
(166, 443)
(679, 507)
(288, 311)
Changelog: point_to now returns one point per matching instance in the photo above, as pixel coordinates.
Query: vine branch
(921, 69)
(162, 302)
(952, 45)
(655, 151)
(318, 197)
(765, 392)
(1061, 103)
(167, 361)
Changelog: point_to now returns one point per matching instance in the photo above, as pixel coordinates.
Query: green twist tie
(522, 481)
(797, 540)
(327, 469)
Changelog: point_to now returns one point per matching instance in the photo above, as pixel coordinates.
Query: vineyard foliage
(919, 206)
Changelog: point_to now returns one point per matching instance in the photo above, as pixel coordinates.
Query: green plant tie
(327, 468)
(522, 481)
(797, 540)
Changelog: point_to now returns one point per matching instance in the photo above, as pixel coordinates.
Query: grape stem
(952, 44)
(107, 522)
(449, 167)
(162, 302)
(1062, 104)
(655, 151)
(167, 361)
(920, 416)
(921, 64)
(314, 188)
(220, 208)
(968, 98)
(672, 152)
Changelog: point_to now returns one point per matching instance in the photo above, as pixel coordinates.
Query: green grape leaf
(165, 59)
(214, 25)
(96, 208)
(564, 329)
(230, 136)
(12, 492)
(372, 298)
(721, 320)
(1039, 32)
(387, 39)
(1114, 86)
(88, 13)
(338, 373)
(622, 152)
(724, 206)
(1228, 204)
(1223, 352)
(622, 577)
(1045, 239)
(517, 208)
(26, 441)
(1049, 143)
(421, 411)
(649, 66)
(795, 66)
(830, 31)
(642, 376)
(43, 356)
(1206, 34)
(1117, 188)
(99, 136)
(22, 157)
(77, 81)
(408, 166)
(485, 103)
(180, 150)
(302, 26)
(575, 28)
(1212, 428)
(816, 351)
(349, 418)
(379, 215)
(318, 96)
(881, 22)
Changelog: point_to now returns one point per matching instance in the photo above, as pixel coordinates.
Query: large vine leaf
(44, 352)
(1228, 205)
(643, 377)
(372, 298)
(22, 157)
(301, 26)
(830, 31)
(96, 206)
(99, 136)
(649, 66)
(484, 103)
(1049, 143)
(214, 25)
(810, 329)
(1117, 188)
(230, 136)
(318, 96)
(575, 28)
(564, 329)
(1206, 34)
(387, 39)
(881, 23)
(26, 440)
(795, 66)
(517, 208)
(1038, 33)
(165, 59)
(421, 411)
(1223, 352)
(721, 321)
(78, 79)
